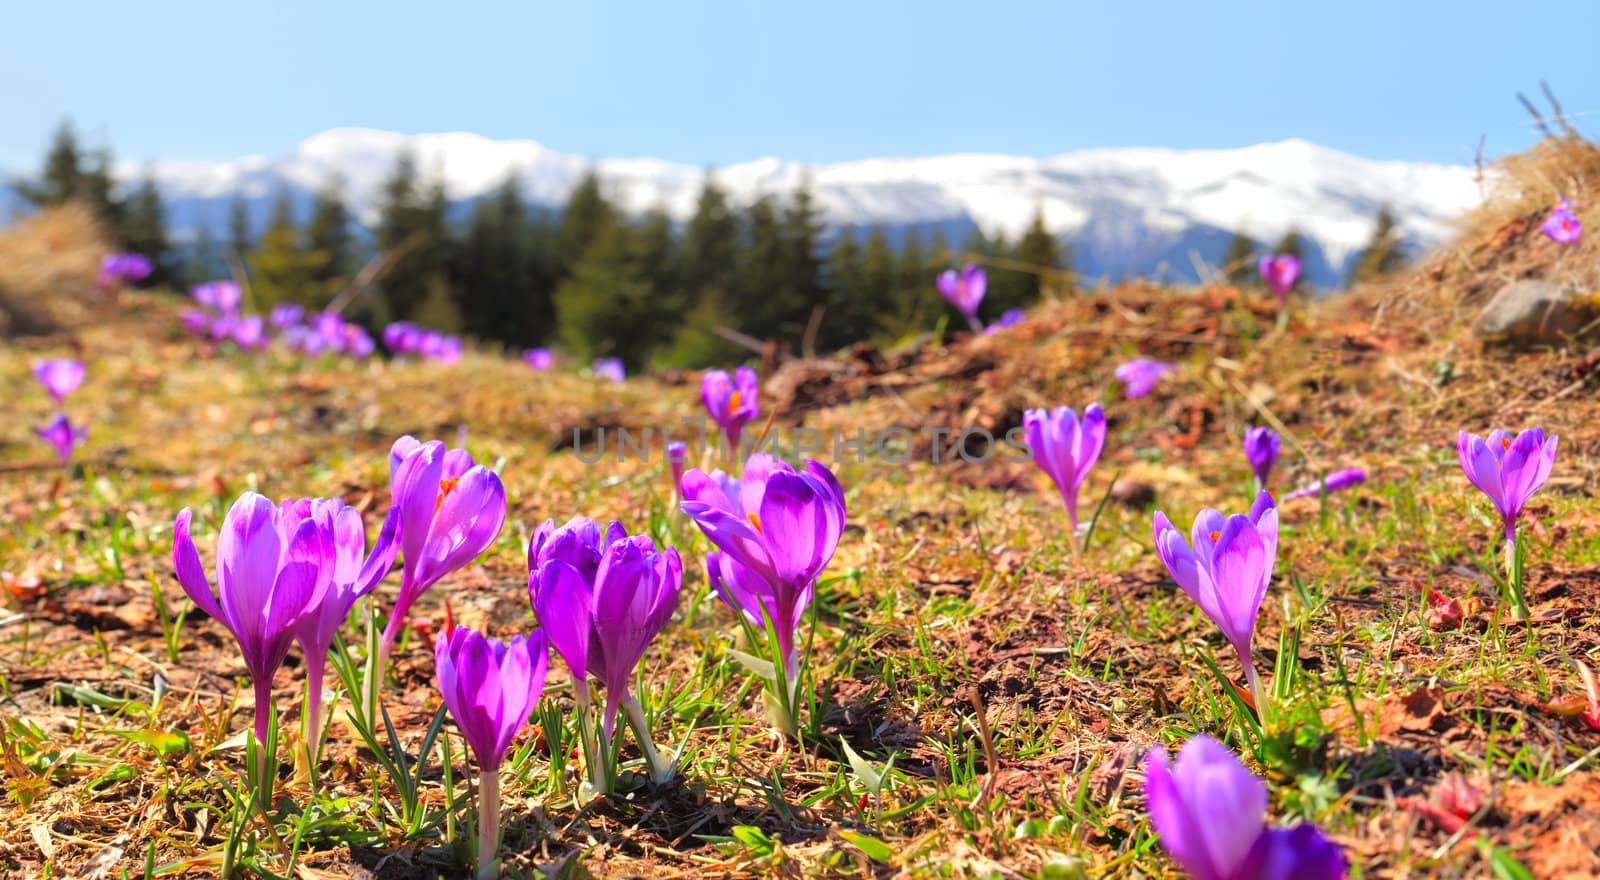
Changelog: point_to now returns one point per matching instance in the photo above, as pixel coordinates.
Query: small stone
(1133, 494)
(1528, 313)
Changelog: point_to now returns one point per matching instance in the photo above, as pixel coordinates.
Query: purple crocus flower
(1508, 470)
(538, 358)
(1209, 813)
(59, 376)
(677, 457)
(357, 342)
(328, 327)
(600, 620)
(195, 321)
(450, 511)
(775, 529)
(249, 332)
(1335, 481)
(610, 368)
(222, 327)
(490, 688)
(731, 401)
(221, 296)
(1009, 318)
(964, 290)
(398, 337)
(62, 434)
(1141, 375)
(285, 315)
(123, 268)
(1227, 569)
(1562, 226)
(1261, 450)
(1280, 271)
(1065, 448)
(270, 565)
(354, 574)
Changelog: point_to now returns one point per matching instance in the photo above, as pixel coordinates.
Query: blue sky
(712, 83)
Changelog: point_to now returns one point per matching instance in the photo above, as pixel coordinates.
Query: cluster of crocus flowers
(1140, 376)
(1066, 448)
(1280, 272)
(451, 510)
(490, 688)
(322, 333)
(775, 529)
(1509, 470)
(964, 289)
(731, 401)
(405, 339)
(1261, 450)
(117, 270)
(1225, 567)
(609, 368)
(601, 598)
(1209, 812)
(285, 573)
(60, 377)
(1562, 226)
(1334, 482)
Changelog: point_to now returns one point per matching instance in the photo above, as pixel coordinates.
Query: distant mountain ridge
(1135, 211)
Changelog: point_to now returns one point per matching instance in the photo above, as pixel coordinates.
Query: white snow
(1110, 195)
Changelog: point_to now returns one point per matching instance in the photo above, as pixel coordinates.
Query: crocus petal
(186, 560)
(381, 559)
(467, 522)
(1241, 570)
(1298, 853)
(799, 534)
(1208, 810)
(562, 601)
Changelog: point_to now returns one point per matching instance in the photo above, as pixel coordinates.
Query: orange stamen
(733, 403)
(754, 520)
(1215, 536)
(446, 486)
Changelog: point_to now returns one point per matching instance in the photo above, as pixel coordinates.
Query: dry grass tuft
(48, 265)
(1500, 242)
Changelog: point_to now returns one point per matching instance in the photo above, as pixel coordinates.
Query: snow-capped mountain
(1123, 211)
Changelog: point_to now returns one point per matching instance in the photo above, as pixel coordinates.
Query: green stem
(1519, 603)
(660, 772)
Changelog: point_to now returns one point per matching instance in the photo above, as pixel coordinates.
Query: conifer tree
(603, 308)
(144, 231)
(330, 244)
(1383, 254)
(280, 269)
(757, 308)
(63, 175)
(587, 213)
(707, 260)
(801, 291)
(499, 289)
(99, 189)
(1040, 250)
(241, 241)
(912, 280)
(878, 277)
(1239, 261)
(846, 318)
(411, 222)
(203, 260)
